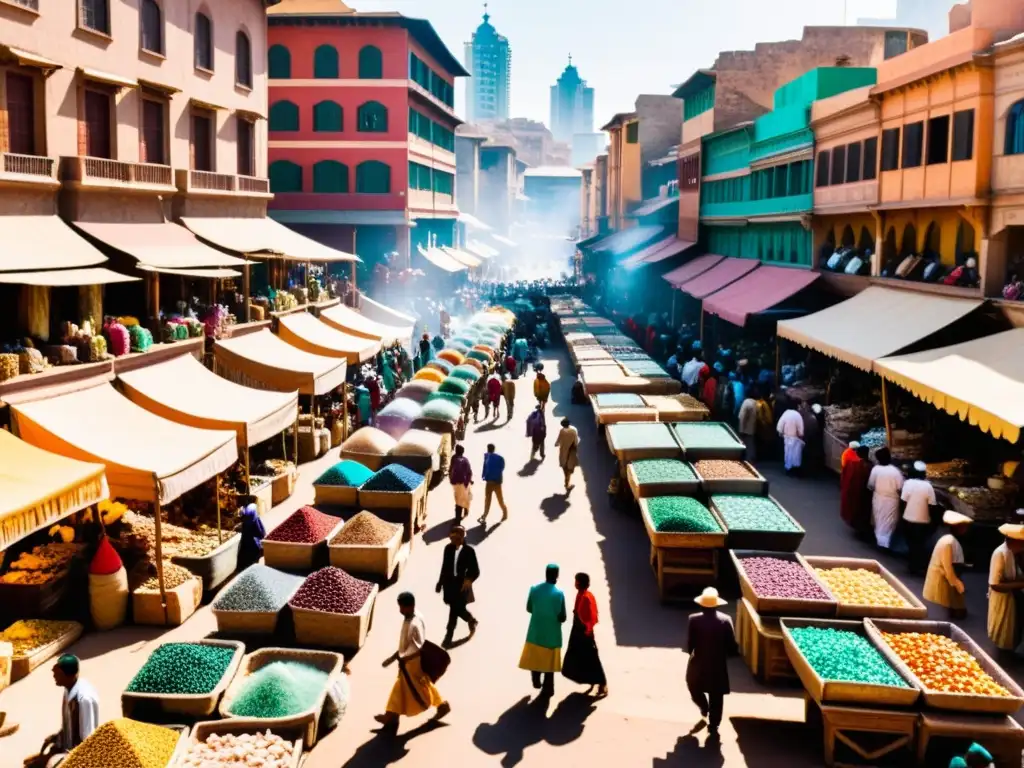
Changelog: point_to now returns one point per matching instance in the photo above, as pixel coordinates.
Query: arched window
(372, 117)
(1015, 129)
(373, 177)
(371, 63)
(279, 63)
(848, 236)
(203, 42)
(889, 246)
(867, 240)
(151, 27)
(964, 242)
(285, 176)
(327, 116)
(828, 247)
(909, 245)
(243, 59)
(284, 116)
(325, 62)
(933, 239)
(330, 176)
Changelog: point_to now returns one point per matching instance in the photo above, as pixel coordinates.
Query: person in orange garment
(849, 454)
(542, 389)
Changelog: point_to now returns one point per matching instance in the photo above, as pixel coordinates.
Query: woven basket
(365, 559)
(334, 630)
(289, 556)
(780, 605)
(182, 601)
(193, 705)
(326, 661)
(201, 731)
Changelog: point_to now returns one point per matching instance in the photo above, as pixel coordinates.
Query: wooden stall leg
(220, 529)
(158, 534)
(885, 413)
(295, 440)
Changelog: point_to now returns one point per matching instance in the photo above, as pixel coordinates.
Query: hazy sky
(622, 48)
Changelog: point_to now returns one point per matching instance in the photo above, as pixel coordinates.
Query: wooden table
(760, 641)
(677, 566)
(844, 724)
(1002, 736)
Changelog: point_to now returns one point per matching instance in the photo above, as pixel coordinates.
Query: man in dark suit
(459, 569)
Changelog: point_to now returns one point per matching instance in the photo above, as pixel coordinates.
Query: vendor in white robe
(1005, 581)
(885, 482)
(791, 429)
(943, 585)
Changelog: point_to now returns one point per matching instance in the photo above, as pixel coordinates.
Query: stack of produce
(346, 473)
(331, 590)
(441, 410)
(366, 529)
(950, 472)
(786, 579)
(418, 442)
(242, 750)
(43, 564)
(29, 635)
(125, 743)
(280, 689)
(368, 441)
(859, 586)
(941, 664)
(618, 400)
(141, 338)
(177, 541)
(304, 526)
(850, 422)
(259, 589)
(394, 478)
(680, 514)
(752, 513)
(418, 390)
(839, 654)
(454, 386)
(429, 374)
(444, 366)
(466, 372)
(711, 469)
(183, 669)
(453, 357)
(146, 580)
(662, 471)
(396, 417)
(705, 435)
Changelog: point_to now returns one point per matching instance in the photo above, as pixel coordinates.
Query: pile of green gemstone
(695, 435)
(838, 654)
(753, 513)
(183, 668)
(634, 436)
(680, 514)
(663, 471)
(280, 689)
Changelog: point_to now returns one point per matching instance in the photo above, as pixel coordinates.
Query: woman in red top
(709, 389)
(582, 664)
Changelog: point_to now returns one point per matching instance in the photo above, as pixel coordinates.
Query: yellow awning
(147, 458)
(108, 78)
(185, 391)
(158, 244)
(463, 257)
(262, 235)
(349, 321)
(875, 323)
(304, 331)
(264, 361)
(38, 488)
(981, 381)
(27, 58)
(43, 242)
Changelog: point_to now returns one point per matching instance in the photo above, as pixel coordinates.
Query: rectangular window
(202, 141)
(913, 142)
(870, 159)
(938, 140)
(838, 165)
(853, 161)
(98, 124)
(963, 135)
(890, 149)
(21, 114)
(246, 147)
(632, 132)
(823, 168)
(895, 44)
(153, 132)
(94, 15)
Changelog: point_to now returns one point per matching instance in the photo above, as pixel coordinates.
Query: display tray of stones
(183, 678)
(339, 484)
(757, 522)
(838, 662)
(708, 440)
(236, 743)
(681, 522)
(866, 588)
(300, 542)
(333, 609)
(393, 487)
(661, 477)
(253, 600)
(34, 641)
(632, 442)
(781, 584)
(367, 545)
(729, 476)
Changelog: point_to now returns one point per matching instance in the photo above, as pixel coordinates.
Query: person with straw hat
(918, 498)
(1005, 580)
(710, 640)
(943, 585)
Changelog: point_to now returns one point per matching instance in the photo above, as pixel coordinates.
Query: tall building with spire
(489, 60)
(572, 105)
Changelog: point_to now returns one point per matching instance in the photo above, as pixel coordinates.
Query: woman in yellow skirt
(413, 692)
(542, 654)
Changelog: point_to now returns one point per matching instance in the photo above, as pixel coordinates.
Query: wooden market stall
(380, 313)
(349, 321)
(264, 361)
(305, 332)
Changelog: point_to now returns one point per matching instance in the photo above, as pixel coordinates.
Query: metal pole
(885, 413)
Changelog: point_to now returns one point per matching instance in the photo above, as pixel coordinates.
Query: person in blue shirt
(493, 474)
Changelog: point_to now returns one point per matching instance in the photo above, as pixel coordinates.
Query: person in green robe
(363, 404)
(542, 654)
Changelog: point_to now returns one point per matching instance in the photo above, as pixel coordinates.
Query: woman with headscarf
(582, 664)
(886, 483)
(250, 546)
(854, 506)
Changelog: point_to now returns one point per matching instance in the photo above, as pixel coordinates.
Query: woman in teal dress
(542, 654)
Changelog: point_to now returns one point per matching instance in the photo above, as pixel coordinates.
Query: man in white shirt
(791, 429)
(691, 371)
(918, 497)
(80, 713)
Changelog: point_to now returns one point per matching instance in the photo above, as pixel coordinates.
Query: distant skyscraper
(930, 15)
(489, 59)
(572, 105)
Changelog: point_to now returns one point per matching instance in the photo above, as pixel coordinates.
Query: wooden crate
(236, 726)
(754, 485)
(780, 605)
(961, 702)
(182, 602)
(697, 452)
(336, 495)
(915, 608)
(660, 448)
(288, 556)
(773, 541)
(136, 705)
(840, 691)
(760, 642)
(666, 540)
(372, 461)
(649, 490)
(334, 630)
(283, 485)
(687, 568)
(215, 568)
(362, 559)
(22, 665)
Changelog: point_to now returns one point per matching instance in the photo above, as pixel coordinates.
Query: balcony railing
(774, 206)
(28, 169)
(115, 174)
(217, 184)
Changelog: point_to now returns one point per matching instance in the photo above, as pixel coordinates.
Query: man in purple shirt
(494, 471)
(460, 474)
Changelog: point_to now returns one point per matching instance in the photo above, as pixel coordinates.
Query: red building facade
(361, 128)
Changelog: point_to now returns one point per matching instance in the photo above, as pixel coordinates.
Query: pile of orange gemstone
(942, 665)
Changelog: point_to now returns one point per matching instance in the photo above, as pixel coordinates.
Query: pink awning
(657, 251)
(691, 269)
(757, 292)
(727, 271)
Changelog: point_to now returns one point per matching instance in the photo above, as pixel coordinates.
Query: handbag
(434, 660)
